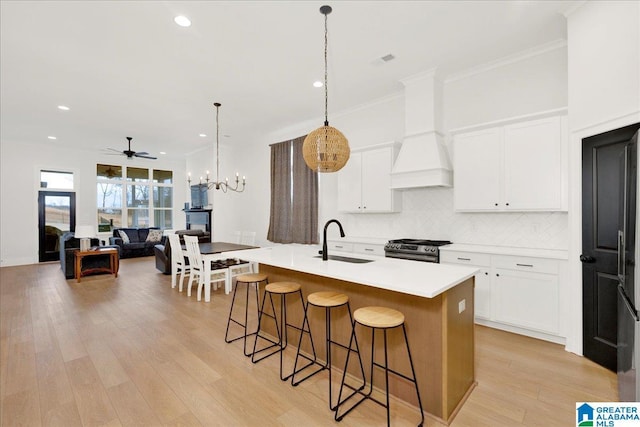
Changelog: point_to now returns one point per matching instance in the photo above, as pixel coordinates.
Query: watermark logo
(607, 414)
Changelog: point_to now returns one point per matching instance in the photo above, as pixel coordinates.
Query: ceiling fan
(130, 154)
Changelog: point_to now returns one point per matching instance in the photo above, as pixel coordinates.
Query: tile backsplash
(428, 213)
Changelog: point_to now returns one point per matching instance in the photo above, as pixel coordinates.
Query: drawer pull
(464, 259)
(339, 247)
(368, 249)
(524, 265)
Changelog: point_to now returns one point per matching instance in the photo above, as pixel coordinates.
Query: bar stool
(248, 280)
(379, 318)
(281, 289)
(327, 300)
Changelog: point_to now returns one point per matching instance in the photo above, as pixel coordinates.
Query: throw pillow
(154, 236)
(124, 237)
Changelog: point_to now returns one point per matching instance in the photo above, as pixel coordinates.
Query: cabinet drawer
(340, 246)
(368, 249)
(470, 258)
(534, 265)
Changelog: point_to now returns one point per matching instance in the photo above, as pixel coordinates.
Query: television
(199, 197)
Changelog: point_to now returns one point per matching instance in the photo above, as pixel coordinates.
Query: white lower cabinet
(358, 247)
(516, 293)
(528, 300)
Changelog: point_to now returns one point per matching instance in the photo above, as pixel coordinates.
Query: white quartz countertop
(410, 277)
(506, 250)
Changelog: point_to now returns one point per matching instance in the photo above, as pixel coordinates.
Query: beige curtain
(294, 189)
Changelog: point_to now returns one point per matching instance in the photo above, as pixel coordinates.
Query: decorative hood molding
(423, 160)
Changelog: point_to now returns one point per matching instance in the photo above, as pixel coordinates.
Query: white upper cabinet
(364, 184)
(515, 167)
(477, 170)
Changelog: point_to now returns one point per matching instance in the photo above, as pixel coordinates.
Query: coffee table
(114, 261)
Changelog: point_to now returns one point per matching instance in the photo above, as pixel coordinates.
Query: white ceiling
(126, 69)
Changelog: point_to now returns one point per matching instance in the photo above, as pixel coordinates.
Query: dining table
(214, 251)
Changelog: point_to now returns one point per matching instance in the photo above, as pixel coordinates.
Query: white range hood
(423, 160)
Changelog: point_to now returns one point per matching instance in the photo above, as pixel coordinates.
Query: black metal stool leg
(368, 395)
(259, 336)
(244, 325)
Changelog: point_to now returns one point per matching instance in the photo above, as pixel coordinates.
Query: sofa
(68, 245)
(136, 242)
(162, 250)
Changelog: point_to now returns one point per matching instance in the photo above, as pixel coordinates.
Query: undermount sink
(347, 259)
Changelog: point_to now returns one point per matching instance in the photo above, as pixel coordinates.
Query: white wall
(19, 185)
(530, 82)
(604, 94)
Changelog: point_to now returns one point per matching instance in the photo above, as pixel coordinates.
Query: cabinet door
(482, 295)
(478, 170)
(528, 300)
(350, 184)
(376, 180)
(532, 164)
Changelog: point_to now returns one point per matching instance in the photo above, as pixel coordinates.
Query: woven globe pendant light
(326, 149)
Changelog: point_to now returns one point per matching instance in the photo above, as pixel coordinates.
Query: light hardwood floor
(132, 351)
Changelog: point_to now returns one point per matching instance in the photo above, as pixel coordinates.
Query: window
(137, 197)
(294, 189)
(162, 198)
(56, 180)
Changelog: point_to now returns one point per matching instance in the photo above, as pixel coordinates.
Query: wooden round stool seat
(282, 287)
(327, 299)
(378, 317)
(252, 277)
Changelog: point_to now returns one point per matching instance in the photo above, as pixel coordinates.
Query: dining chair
(178, 262)
(196, 264)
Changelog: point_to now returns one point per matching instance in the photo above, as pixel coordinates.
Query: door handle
(621, 255)
(587, 259)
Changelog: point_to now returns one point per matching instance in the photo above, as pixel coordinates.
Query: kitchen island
(436, 299)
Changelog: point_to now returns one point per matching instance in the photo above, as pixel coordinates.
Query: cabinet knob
(497, 275)
(495, 204)
(486, 273)
(507, 203)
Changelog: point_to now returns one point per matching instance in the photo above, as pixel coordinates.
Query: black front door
(602, 205)
(56, 215)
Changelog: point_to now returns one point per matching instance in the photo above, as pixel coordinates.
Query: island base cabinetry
(440, 332)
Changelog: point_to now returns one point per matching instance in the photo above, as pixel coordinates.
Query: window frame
(127, 212)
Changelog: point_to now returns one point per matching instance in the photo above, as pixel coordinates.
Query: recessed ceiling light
(317, 83)
(63, 107)
(52, 137)
(163, 152)
(202, 135)
(182, 20)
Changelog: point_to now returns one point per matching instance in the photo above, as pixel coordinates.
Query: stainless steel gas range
(415, 249)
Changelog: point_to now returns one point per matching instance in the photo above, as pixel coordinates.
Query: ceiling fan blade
(144, 153)
(142, 156)
(113, 149)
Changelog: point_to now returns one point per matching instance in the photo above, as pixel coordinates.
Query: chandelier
(326, 149)
(217, 184)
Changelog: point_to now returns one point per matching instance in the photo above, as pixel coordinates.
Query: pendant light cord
(217, 105)
(326, 89)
